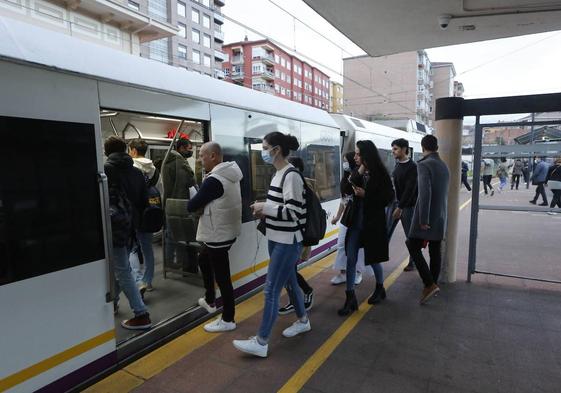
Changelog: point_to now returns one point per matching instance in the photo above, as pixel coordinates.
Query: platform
(495, 334)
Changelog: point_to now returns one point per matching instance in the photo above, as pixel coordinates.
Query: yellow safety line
(53, 361)
(465, 204)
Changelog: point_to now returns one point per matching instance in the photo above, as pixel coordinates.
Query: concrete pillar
(449, 124)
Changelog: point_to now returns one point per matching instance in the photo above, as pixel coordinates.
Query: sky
(512, 66)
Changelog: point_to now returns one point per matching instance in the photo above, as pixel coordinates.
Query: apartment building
(263, 66)
(443, 84)
(336, 97)
(389, 88)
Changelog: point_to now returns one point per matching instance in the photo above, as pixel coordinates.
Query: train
(59, 98)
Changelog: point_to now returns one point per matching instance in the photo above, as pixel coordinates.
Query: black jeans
(515, 181)
(487, 182)
(465, 181)
(429, 276)
(306, 288)
(540, 190)
(215, 265)
(556, 200)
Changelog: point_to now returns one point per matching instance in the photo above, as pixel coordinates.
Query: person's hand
(334, 220)
(359, 191)
(425, 227)
(257, 209)
(396, 214)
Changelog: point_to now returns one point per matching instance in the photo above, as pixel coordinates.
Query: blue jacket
(540, 172)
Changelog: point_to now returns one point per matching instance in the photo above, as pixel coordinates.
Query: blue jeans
(281, 273)
(502, 183)
(353, 245)
(144, 246)
(124, 280)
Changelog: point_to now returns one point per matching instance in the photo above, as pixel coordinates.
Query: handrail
(108, 235)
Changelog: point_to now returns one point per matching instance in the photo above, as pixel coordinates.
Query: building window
(277, 88)
(196, 36)
(277, 59)
(283, 62)
(206, 3)
(207, 60)
(158, 9)
(134, 5)
(195, 16)
(288, 65)
(206, 40)
(182, 51)
(196, 57)
(181, 9)
(288, 79)
(182, 32)
(277, 74)
(206, 21)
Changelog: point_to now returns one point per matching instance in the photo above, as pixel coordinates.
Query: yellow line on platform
(299, 379)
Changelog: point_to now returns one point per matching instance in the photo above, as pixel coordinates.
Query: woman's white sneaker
(252, 347)
(210, 309)
(358, 278)
(218, 325)
(297, 328)
(339, 279)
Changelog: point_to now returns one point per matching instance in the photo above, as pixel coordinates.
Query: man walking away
(488, 167)
(538, 179)
(405, 183)
(517, 171)
(502, 173)
(219, 225)
(128, 196)
(430, 216)
(465, 169)
(554, 183)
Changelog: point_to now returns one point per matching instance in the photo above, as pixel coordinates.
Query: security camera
(444, 21)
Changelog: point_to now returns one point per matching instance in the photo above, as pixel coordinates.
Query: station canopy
(383, 27)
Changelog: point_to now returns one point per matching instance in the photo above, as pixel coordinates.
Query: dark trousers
(429, 276)
(556, 200)
(215, 265)
(540, 190)
(304, 286)
(465, 181)
(515, 181)
(487, 182)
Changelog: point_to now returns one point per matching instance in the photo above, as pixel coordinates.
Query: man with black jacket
(126, 182)
(405, 183)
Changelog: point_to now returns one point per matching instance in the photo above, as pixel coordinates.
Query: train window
(50, 214)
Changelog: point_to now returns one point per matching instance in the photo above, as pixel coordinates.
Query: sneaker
(552, 213)
(286, 309)
(219, 325)
(296, 328)
(149, 288)
(492, 192)
(140, 322)
(339, 279)
(308, 300)
(429, 292)
(544, 204)
(358, 278)
(251, 347)
(532, 202)
(209, 309)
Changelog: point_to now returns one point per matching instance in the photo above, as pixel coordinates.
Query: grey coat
(432, 203)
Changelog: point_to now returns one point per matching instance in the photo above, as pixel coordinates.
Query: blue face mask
(266, 155)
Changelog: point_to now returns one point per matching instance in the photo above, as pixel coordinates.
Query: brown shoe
(140, 322)
(429, 292)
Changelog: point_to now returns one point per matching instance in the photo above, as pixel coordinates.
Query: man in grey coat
(430, 216)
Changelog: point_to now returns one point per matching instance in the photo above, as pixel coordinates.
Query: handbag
(347, 217)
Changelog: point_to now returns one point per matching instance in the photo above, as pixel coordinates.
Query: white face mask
(346, 166)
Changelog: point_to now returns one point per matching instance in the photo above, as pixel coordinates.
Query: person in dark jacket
(465, 169)
(517, 171)
(538, 179)
(122, 175)
(430, 216)
(405, 183)
(553, 181)
(373, 191)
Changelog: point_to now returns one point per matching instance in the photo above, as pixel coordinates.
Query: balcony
(220, 56)
(236, 59)
(218, 18)
(265, 89)
(267, 74)
(236, 75)
(219, 74)
(268, 59)
(218, 36)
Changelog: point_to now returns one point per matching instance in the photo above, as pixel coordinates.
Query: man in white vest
(220, 202)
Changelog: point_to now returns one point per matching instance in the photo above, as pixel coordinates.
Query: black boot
(350, 304)
(378, 295)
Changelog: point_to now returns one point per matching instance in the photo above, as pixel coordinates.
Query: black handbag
(347, 217)
(261, 227)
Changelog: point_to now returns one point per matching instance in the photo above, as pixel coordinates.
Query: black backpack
(316, 218)
(121, 212)
(153, 215)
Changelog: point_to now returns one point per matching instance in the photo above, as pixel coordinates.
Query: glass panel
(181, 9)
(50, 214)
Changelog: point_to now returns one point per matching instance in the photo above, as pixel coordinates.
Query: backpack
(153, 215)
(316, 218)
(121, 212)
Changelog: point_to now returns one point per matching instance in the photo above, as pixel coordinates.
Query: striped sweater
(285, 208)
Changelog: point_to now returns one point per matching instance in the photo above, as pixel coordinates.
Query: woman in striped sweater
(285, 214)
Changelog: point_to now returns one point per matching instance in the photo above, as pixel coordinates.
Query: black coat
(379, 193)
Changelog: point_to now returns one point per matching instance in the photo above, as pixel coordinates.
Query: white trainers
(339, 279)
(358, 278)
(210, 309)
(296, 328)
(218, 325)
(252, 347)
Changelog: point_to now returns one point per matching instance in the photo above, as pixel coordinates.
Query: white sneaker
(296, 328)
(358, 278)
(252, 347)
(218, 325)
(210, 309)
(339, 279)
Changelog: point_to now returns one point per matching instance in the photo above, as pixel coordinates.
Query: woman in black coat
(373, 191)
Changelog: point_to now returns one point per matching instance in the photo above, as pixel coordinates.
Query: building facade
(395, 87)
(442, 85)
(336, 97)
(263, 66)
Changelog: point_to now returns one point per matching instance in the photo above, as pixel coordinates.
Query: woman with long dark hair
(373, 191)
